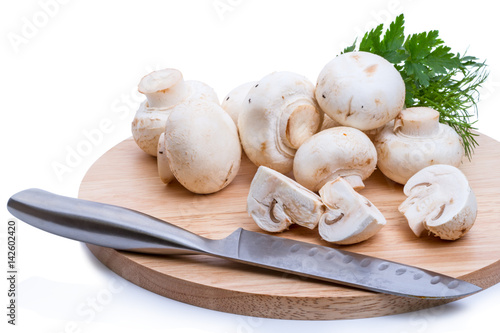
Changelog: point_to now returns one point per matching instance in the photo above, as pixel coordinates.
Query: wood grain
(128, 177)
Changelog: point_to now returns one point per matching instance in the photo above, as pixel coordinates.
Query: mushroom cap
(337, 151)
(361, 90)
(202, 146)
(276, 201)
(236, 100)
(415, 141)
(441, 201)
(280, 114)
(350, 218)
(198, 90)
(149, 122)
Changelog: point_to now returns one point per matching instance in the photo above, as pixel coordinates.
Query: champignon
(276, 201)
(441, 201)
(280, 114)
(164, 171)
(164, 89)
(202, 146)
(361, 90)
(350, 218)
(338, 151)
(236, 100)
(414, 141)
(328, 123)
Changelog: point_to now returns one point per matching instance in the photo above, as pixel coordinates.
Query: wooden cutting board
(128, 177)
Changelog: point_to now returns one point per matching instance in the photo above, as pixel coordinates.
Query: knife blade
(125, 229)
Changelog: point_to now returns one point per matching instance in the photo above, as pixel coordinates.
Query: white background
(70, 69)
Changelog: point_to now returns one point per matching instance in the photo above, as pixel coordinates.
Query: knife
(125, 229)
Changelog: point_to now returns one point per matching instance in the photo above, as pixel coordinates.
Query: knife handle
(102, 224)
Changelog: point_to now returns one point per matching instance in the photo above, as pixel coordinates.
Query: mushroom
(280, 114)
(276, 201)
(361, 90)
(164, 171)
(236, 100)
(328, 123)
(338, 151)
(441, 201)
(165, 90)
(350, 217)
(202, 146)
(414, 141)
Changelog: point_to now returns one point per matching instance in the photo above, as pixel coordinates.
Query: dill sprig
(434, 76)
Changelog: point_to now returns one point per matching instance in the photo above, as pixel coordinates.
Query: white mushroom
(164, 89)
(202, 146)
(328, 123)
(164, 171)
(280, 114)
(276, 201)
(236, 100)
(360, 89)
(338, 151)
(351, 218)
(414, 141)
(441, 201)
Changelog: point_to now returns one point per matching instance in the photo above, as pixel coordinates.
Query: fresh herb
(434, 76)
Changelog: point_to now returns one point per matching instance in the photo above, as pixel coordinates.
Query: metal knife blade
(124, 229)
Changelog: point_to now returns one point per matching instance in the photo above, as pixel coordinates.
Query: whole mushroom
(335, 152)
(236, 100)
(350, 217)
(415, 141)
(280, 114)
(361, 90)
(165, 90)
(440, 201)
(201, 146)
(275, 202)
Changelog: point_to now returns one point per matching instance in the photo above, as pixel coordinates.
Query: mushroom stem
(164, 171)
(298, 122)
(163, 88)
(355, 181)
(418, 121)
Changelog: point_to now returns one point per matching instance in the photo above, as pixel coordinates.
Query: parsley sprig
(434, 76)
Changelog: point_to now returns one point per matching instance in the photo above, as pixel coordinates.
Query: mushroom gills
(275, 202)
(350, 217)
(439, 201)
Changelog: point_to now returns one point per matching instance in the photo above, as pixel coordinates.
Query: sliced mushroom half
(276, 201)
(441, 201)
(350, 218)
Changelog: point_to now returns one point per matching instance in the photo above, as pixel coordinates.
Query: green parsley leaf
(434, 76)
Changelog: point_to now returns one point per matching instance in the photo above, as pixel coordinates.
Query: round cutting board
(128, 177)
